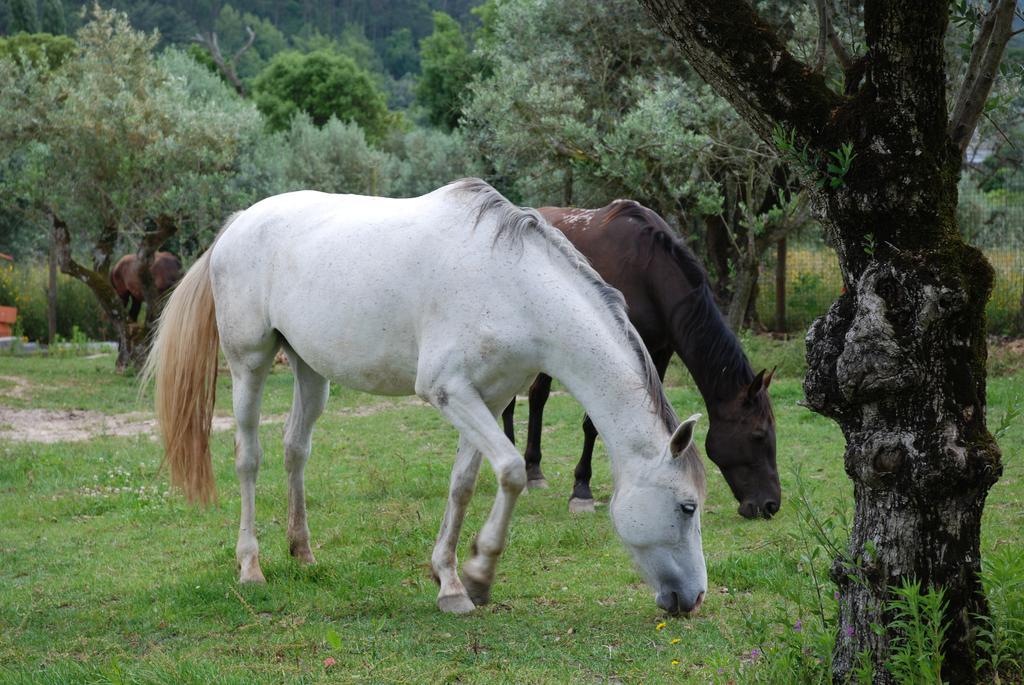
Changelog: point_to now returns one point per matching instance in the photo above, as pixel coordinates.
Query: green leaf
(333, 639)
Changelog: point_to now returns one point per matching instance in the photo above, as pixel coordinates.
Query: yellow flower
(675, 641)
(675, 662)
(660, 626)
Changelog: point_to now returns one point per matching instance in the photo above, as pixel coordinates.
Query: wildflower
(329, 661)
(798, 626)
(754, 653)
(675, 641)
(849, 631)
(835, 595)
(660, 626)
(675, 662)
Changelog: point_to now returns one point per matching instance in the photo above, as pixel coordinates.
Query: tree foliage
(40, 49)
(53, 19)
(447, 67)
(322, 84)
(24, 18)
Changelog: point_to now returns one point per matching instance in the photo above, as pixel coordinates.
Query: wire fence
(993, 222)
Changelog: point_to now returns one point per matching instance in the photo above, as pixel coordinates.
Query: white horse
(459, 297)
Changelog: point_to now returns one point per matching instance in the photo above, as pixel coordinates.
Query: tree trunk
(51, 292)
(744, 283)
(899, 360)
(99, 283)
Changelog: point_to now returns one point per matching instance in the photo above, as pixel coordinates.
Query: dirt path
(76, 425)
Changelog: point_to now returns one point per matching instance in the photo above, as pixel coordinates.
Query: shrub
(24, 287)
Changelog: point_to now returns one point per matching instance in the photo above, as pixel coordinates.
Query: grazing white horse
(459, 297)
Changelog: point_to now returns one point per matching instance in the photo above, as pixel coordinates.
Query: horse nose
(771, 507)
(675, 603)
(748, 510)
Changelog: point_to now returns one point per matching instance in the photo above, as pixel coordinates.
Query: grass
(107, 578)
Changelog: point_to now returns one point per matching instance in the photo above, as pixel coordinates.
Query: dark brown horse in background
(127, 281)
(670, 303)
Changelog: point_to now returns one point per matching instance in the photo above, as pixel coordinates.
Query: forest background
(555, 103)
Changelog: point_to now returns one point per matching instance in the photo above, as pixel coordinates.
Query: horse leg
(507, 420)
(452, 597)
(248, 375)
(475, 421)
(310, 398)
(133, 313)
(582, 499)
(539, 392)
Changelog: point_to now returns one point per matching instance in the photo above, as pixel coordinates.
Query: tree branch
(248, 44)
(740, 55)
(845, 59)
(96, 282)
(986, 54)
(227, 68)
(823, 26)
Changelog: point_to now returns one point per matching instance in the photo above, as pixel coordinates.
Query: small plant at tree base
(916, 650)
(1001, 633)
(1013, 412)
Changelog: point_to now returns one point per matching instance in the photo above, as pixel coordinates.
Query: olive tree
(899, 359)
(134, 149)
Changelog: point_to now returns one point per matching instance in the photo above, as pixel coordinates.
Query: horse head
(741, 442)
(656, 512)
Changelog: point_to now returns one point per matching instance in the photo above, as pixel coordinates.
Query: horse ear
(756, 385)
(769, 377)
(683, 436)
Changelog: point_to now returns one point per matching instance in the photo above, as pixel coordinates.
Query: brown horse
(670, 304)
(165, 269)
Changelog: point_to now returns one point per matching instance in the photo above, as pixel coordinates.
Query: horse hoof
(455, 604)
(252, 578)
(537, 484)
(479, 593)
(250, 572)
(303, 554)
(581, 506)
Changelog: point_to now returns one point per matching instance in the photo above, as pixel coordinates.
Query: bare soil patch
(21, 387)
(76, 425)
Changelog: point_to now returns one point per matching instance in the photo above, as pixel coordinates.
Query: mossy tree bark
(899, 360)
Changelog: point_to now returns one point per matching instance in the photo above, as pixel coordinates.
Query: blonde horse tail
(183, 360)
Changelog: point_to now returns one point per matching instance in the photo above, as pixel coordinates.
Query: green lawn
(105, 577)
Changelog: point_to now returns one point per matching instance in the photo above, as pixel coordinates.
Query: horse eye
(688, 508)
(759, 434)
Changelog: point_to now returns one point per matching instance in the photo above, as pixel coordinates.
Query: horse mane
(514, 223)
(726, 364)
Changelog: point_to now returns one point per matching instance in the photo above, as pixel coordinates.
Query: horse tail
(183, 360)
